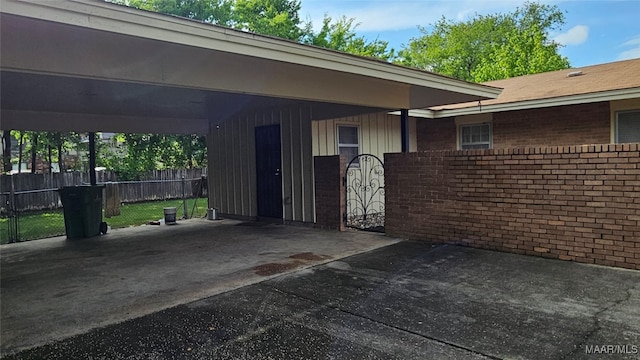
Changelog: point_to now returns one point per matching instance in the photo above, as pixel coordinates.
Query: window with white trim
(475, 136)
(628, 127)
(348, 142)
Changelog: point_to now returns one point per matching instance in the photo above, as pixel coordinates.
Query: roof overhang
(479, 108)
(114, 68)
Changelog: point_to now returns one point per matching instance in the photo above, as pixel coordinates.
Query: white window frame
(464, 125)
(617, 134)
(349, 145)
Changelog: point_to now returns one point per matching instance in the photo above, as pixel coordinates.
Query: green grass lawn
(51, 223)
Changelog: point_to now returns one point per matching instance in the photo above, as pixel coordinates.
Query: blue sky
(595, 32)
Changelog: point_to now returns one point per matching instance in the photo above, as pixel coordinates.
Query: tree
(269, 17)
(6, 151)
(20, 136)
(210, 11)
(490, 47)
(278, 18)
(34, 150)
(341, 35)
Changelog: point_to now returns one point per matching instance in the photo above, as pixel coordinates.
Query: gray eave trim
(621, 94)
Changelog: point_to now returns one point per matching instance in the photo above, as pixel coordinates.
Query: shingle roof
(556, 84)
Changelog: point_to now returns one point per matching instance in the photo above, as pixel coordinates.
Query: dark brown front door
(268, 171)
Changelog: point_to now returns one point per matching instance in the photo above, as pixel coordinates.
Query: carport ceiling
(82, 65)
(81, 104)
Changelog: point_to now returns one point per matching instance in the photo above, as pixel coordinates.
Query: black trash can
(82, 207)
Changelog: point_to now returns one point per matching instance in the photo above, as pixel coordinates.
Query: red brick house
(550, 168)
(597, 104)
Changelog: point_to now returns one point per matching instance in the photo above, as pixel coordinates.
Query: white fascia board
(528, 104)
(418, 113)
(104, 16)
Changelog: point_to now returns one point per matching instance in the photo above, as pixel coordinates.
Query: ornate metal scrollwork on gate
(365, 193)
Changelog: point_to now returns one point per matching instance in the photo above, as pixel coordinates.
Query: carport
(89, 66)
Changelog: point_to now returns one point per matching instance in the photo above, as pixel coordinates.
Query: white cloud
(385, 15)
(633, 42)
(574, 36)
(632, 53)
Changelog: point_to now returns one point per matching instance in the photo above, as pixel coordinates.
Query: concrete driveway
(55, 288)
(405, 300)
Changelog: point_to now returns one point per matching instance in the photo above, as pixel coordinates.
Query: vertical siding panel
(315, 138)
(322, 137)
(362, 129)
(325, 137)
(242, 155)
(244, 166)
(365, 124)
(255, 121)
(383, 135)
(287, 165)
(222, 188)
(251, 163)
(374, 132)
(236, 170)
(389, 133)
(296, 171)
(372, 122)
(365, 129)
(308, 188)
(395, 134)
(382, 148)
(332, 137)
(229, 165)
(325, 148)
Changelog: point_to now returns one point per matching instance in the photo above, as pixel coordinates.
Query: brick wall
(329, 190)
(553, 126)
(436, 134)
(579, 203)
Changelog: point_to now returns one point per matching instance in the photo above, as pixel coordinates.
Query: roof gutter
(621, 94)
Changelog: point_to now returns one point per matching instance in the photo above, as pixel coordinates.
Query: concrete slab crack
(596, 323)
(440, 341)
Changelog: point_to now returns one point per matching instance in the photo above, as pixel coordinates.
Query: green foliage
(269, 17)
(130, 155)
(50, 147)
(340, 35)
(278, 18)
(211, 11)
(490, 47)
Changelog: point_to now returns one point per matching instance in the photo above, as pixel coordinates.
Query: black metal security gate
(364, 193)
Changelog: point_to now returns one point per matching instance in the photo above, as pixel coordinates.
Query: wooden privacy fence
(33, 192)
